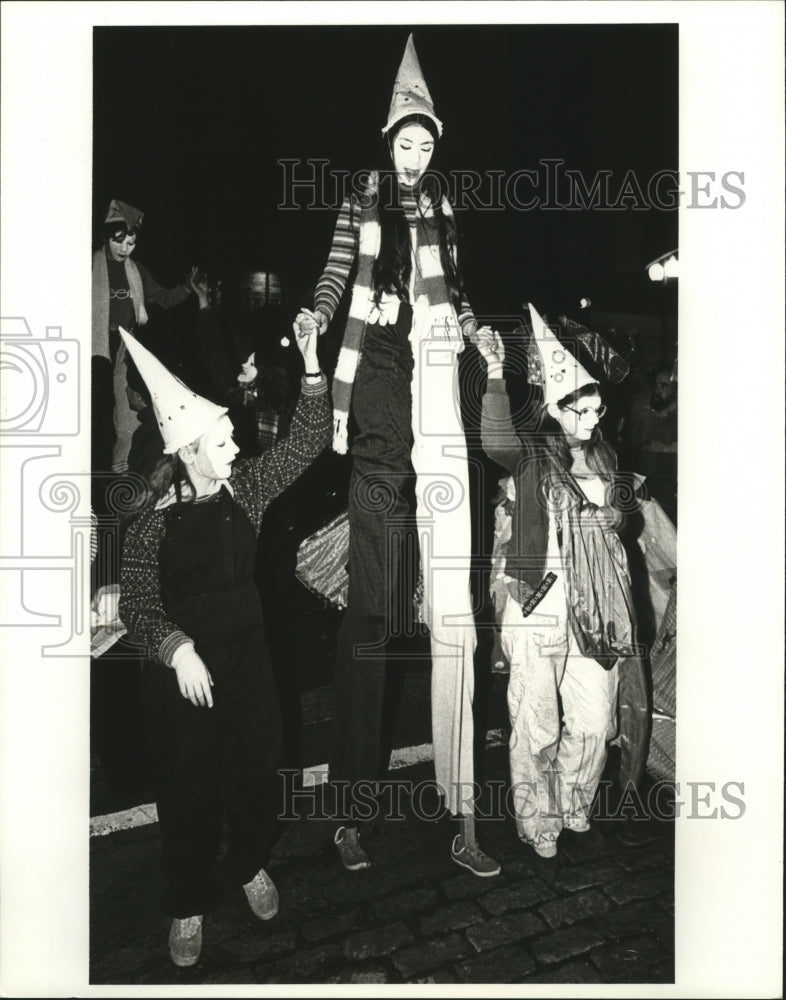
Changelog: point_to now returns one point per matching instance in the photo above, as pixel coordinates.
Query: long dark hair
(160, 474)
(393, 266)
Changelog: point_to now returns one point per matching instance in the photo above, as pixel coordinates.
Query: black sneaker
(353, 857)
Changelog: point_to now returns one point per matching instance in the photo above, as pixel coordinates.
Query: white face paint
(248, 372)
(578, 428)
(121, 248)
(412, 150)
(215, 454)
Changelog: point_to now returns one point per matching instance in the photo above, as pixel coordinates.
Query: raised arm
(333, 283)
(497, 433)
(257, 481)
(466, 317)
(158, 295)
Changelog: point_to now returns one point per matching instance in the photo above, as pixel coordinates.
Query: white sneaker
(544, 845)
(185, 941)
(262, 895)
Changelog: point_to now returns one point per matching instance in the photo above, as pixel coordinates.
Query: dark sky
(189, 124)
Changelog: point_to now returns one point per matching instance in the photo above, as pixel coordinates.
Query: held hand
(193, 677)
(610, 518)
(306, 336)
(607, 518)
(490, 345)
(307, 320)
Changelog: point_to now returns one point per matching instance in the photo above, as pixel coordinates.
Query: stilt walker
(396, 384)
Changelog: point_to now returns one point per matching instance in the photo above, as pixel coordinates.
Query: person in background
(652, 439)
(121, 289)
(188, 597)
(145, 454)
(259, 395)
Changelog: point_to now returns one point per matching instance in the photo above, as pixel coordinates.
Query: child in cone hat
(563, 598)
(188, 597)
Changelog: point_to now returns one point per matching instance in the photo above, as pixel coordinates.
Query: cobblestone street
(601, 914)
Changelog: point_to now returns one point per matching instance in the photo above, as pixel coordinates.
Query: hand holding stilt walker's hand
(490, 345)
(193, 677)
(306, 336)
(306, 321)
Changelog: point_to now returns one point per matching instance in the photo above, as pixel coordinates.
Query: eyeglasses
(121, 237)
(584, 414)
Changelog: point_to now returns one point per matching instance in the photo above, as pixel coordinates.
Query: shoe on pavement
(262, 895)
(472, 858)
(588, 840)
(544, 845)
(185, 941)
(353, 857)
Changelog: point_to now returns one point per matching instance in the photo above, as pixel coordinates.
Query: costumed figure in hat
(121, 288)
(563, 597)
(396, 409)
(188, 596)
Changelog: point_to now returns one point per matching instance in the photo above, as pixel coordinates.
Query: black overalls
(219, 762)
(381, 512)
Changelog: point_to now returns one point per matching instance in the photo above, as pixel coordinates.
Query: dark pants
(214, 763)
(382, 548)
(102, 406)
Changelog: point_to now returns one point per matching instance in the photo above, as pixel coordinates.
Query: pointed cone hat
(118, 211)
(410, 93)
(561, 374)
(182, 416)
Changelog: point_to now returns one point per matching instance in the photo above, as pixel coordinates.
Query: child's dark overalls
(219, 762)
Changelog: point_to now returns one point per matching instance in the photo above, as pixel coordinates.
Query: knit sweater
(255, 483)
(344, 251)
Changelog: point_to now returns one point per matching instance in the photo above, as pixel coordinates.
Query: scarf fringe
(340, 432)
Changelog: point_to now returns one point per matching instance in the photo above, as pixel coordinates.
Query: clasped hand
(490, 345)
(307, 322)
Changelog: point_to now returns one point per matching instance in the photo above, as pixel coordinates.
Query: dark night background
(189, 124)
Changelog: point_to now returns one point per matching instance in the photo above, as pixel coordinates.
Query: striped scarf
(427, 279)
